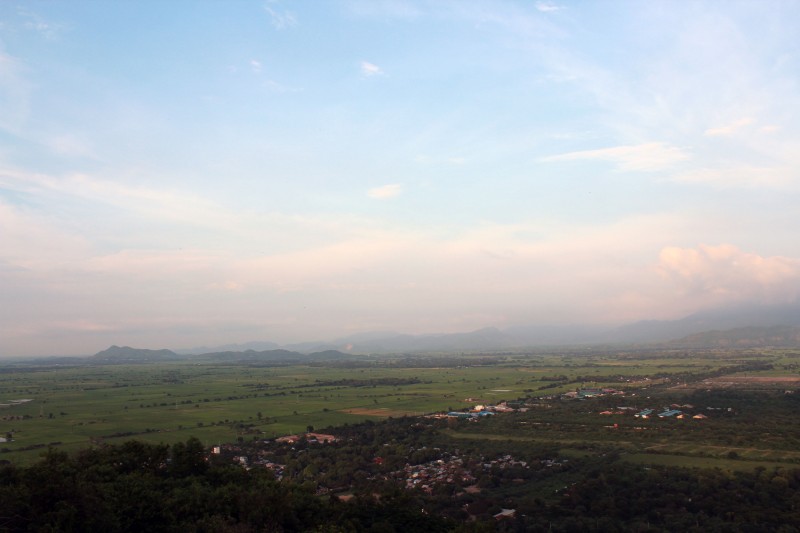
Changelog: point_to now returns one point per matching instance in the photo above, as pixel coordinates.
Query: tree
(188, 459)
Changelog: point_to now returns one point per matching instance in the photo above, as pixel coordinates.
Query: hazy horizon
(178, 174)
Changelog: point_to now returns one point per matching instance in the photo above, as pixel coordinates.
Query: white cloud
(276, 87)
(36, 23)
(72, 145)
(641, 157)
(280, 18)
(386, 191)
(741, 176)
(717, 275)
(160, 203)
(227, 286)
(372, 274)
(255, 66)
(368, 69)
(729, 129)
(548, 7)
(32, 241)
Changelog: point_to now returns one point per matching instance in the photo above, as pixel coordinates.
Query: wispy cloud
(72, 145)
(369, 69)
(279, 18)
(386, 191)
(640, 157)
(699, 103)
(729, 129)
(548, 7)
(741, 176)
(34, 22)
(276, 87)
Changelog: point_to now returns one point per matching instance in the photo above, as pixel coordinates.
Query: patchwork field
(87, 405)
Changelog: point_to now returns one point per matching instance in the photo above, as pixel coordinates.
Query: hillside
(746, 337)
(126, 354)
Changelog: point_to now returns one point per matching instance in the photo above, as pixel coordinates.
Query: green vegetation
(562, 459)
(78, 406)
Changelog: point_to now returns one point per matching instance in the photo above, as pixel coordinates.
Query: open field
(79, 406)
(739, 381)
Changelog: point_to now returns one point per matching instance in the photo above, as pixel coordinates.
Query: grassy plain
(73, 407)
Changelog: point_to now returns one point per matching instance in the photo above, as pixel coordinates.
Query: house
(505, 513)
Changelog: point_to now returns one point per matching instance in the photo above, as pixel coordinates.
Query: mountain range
(702, 329)
(728, 328)
(128, 355)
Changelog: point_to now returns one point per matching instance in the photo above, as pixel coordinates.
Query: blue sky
(180, 173)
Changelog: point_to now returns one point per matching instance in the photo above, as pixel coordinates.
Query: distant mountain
(522, 337)
(482, 339)
(747, 337)
(329, 355)
(746, 326)
(644, 332)
(254, 345)
(714, 320)
(312, 346)
(126, 354)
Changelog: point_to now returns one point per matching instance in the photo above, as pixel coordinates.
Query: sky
(188, 173)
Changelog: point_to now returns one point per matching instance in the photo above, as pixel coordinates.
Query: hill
(746, 337)
(657, 331)
(126, 354)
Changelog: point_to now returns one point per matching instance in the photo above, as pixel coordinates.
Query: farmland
(577, 441)
(77, 406)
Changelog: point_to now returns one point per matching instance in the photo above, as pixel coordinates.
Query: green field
(79, 406)
(76, 407)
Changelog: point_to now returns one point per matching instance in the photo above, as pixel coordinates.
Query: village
(445, 471)
(449, 468)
